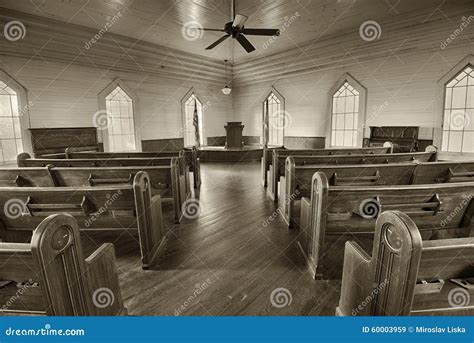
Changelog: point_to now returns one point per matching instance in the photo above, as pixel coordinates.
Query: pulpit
(234, 135)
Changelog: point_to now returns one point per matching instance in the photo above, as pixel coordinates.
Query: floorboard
(225, 262)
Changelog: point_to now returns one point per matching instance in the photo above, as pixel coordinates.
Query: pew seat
(50, 276)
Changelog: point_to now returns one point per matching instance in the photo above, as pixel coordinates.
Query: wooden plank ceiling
(161, 22)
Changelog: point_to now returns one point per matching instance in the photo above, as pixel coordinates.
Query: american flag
(196, 125)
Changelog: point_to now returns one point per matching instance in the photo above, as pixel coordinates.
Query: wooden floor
(225, 262)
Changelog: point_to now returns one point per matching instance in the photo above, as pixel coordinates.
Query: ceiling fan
(237, 30)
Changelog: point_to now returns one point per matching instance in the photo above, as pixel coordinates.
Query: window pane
(9, 149)
(455, 141)
(470, 97)
(6, 128)
(349, 122)
(468, 142)
(445, 141)
(459, 97)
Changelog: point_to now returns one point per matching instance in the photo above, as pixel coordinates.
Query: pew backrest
(444, 172)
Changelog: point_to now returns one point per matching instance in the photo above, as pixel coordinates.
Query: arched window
(458, 122)
(345, 116)
(192, 103)
(273, 119)
(11, 142)
(120, 117)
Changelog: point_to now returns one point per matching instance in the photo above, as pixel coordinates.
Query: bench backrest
(53, 273)
(444, 172)
(24, 160)
(26, 177)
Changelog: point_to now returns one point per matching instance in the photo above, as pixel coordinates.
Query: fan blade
(239, 21)
(215, 30)
(217, 42)
(261, 32)
(245, 43)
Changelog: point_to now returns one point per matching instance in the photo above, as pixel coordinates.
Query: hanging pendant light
(226, 90)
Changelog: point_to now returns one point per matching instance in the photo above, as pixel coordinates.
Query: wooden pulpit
(234, 135)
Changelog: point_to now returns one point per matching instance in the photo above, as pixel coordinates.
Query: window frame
(103, 135)
(24, 105)
(282, 99)
(362, 108)
(441, 102)
(186, 97)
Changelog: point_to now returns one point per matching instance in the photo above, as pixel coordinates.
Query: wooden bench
(297, 181)
(296, 185)
(188, 157)
(406, 275)
(268, 156)
(340, 213)
(49, 275)
(118, 208)
(166, 179)
(315, 161)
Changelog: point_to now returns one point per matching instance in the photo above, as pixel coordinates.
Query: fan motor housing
(231, 30)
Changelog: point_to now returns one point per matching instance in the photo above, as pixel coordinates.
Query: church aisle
(226, 262)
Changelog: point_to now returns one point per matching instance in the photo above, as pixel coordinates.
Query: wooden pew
(346, 213)
(164, 181)
(188, 157)
(279, 162)
(268, 155)
(49, 275)
(406, 275)
(297, 181)
(164, 173)
(123, 207)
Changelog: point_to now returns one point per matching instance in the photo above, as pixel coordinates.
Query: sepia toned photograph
(296, 162)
